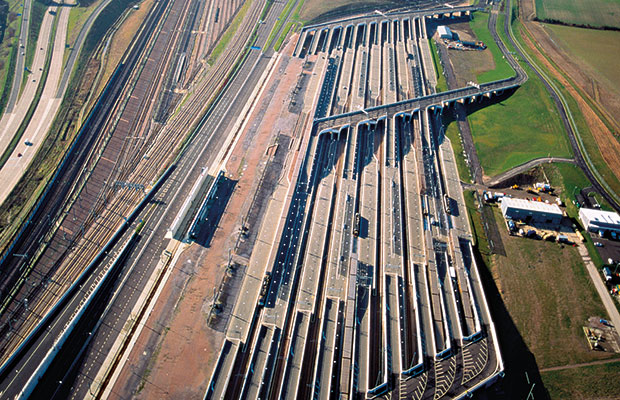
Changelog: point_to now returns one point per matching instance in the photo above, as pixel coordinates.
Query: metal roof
(444, 30)
(531, 205)
(606, 217)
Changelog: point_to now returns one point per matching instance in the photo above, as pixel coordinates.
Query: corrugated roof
(607, 217)
(443, 30)
(531, 205)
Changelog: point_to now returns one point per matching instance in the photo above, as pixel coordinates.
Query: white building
(599, 221)
(531, 211)
(444, 32)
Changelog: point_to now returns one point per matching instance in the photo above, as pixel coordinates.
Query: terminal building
(531, 211)
(599, 221)
(444, 32)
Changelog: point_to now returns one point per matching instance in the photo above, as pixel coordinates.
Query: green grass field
(594, 13)
(560, 297)
(452, 132)
(522, 127)
(589, 382)
(479, 25)
(598, 50)
(228, 34)
(442, 85)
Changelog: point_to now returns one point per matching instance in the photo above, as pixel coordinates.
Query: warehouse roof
(606, 217)
(444, 30)
(531, 205)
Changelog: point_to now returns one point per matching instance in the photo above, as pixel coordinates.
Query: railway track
(111, 207)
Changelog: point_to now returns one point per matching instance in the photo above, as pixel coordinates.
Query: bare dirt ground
(467, 65)
(608, 144)
(181, 359)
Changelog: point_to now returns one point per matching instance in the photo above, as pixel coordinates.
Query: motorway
(21, 57)
(374, 288)
(47, 105)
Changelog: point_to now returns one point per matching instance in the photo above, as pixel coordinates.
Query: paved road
(13, 116)
(21, 56)
(608, 302)
(45, 111)
(567, 118)
(499, 179)
(77, 46)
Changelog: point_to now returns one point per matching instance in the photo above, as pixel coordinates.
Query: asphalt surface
(358, 167)
(21, 56)
(564, 114)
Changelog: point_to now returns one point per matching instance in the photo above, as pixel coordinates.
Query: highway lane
(20, 63)
(46, 108)
(17, 107)
(76, 47)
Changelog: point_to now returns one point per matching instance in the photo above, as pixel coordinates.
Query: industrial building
(599, 221)
(444, 32)
(531, 211)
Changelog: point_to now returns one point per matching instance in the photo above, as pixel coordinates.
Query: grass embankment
(591, 13)
(121, 39)
(588, 142)
(442, 85)
(518, 128)
(281, 19)
(26, 193)
(230, 32)
(39, 8)
(479, 25)
(294, 24)
(10, 23)
(605, 385)
(452, 132)
(77, 18)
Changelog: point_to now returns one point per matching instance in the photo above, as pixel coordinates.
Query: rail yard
(359, 276)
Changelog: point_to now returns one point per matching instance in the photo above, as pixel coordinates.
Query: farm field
(595, 112)
(594, 13)
(597, 52)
